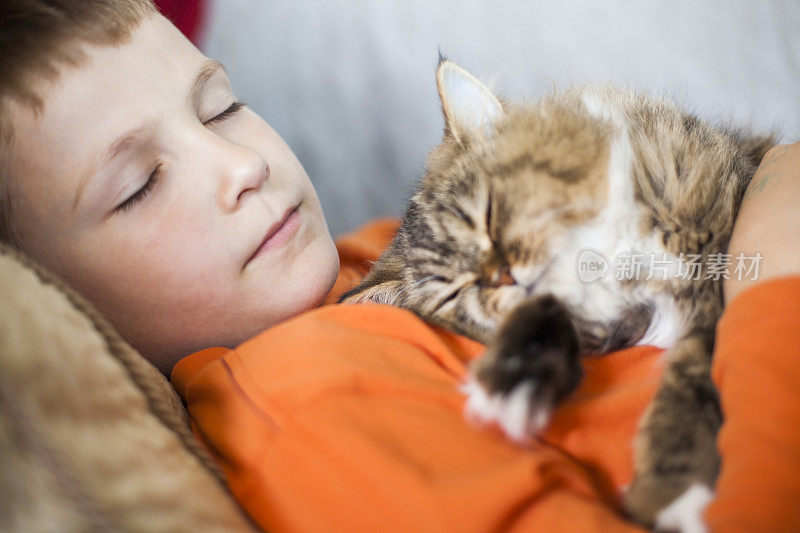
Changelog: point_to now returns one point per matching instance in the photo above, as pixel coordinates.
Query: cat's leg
(531, 363)
(676, 459)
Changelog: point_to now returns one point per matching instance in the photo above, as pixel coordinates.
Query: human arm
(769, 220)
(755, 365)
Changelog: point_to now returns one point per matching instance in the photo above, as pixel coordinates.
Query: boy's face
(174, 269)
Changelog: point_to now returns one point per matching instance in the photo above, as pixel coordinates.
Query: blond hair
(38, 39)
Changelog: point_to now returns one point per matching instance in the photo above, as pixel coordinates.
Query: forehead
(543, 169)
(553, 145)
(110, 91)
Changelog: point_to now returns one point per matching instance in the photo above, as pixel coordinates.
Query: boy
(188, 222)
(146, 185)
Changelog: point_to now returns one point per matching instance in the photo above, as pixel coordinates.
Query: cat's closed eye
(460, 214)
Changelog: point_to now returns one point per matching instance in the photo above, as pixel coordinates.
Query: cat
(490, 241)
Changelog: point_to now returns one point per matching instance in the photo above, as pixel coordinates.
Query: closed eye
(448, 298)
(155, 176)
(457, 211)
(232, 109)
(139, 195)
(489, 214)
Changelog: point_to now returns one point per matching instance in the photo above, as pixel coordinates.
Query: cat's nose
(498, 276)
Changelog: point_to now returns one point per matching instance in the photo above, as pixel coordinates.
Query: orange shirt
(349, 418)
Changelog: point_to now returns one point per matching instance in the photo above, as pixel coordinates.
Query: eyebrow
(128, 139)
(209, 68)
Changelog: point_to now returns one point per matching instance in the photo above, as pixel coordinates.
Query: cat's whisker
(448, 298)
(462, 281)
(530, 286)
(419, 282)
(426, 279)
(422, 280)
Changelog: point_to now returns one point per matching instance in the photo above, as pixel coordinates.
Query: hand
(769, 220)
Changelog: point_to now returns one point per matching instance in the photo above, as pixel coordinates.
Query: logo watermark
(593, 265)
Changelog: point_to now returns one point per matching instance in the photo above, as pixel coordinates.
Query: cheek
(488, 306)
(168, 252)
(157, 275)
(259, 136)
(158, 260)
(498, 302)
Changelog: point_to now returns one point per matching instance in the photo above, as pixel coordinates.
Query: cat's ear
(467, 104)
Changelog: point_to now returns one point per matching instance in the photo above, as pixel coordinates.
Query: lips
(277, 232)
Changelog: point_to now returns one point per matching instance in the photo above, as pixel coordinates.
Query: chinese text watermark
(592, 265)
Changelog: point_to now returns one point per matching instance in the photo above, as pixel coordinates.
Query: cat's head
(503, 192)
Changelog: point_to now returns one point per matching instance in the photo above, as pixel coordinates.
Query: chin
(317, 272)
(328, 271)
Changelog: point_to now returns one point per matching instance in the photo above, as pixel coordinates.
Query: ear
(467, 104)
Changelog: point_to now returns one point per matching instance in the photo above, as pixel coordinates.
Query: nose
(497, 275)
(244, 172)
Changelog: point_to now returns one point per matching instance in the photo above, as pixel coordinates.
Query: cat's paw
(676, 458)
(516, 413)
(652, 502)
(685, 514)
(531, 364)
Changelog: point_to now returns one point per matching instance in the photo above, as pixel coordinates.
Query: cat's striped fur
(490, 240)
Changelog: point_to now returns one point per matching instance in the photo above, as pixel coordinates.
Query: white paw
(515, 412)
(685, 514)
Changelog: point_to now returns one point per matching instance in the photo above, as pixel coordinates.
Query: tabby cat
(490, 246)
